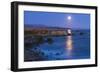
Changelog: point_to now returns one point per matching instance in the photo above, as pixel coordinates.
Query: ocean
(69, 47)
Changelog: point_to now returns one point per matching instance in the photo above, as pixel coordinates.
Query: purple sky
(78, 21)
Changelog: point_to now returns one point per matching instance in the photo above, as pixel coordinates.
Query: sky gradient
(54, 19)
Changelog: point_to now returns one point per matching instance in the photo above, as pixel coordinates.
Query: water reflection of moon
(69, 45)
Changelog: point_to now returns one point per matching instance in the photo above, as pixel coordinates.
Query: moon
(69, 17)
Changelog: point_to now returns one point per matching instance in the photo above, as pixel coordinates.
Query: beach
(67, 47)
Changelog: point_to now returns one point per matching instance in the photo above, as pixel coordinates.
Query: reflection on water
(69, 45)
(58, 47)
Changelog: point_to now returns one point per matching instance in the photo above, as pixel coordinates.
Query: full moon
(69, 17)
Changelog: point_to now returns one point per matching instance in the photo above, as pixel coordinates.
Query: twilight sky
(77, 21)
